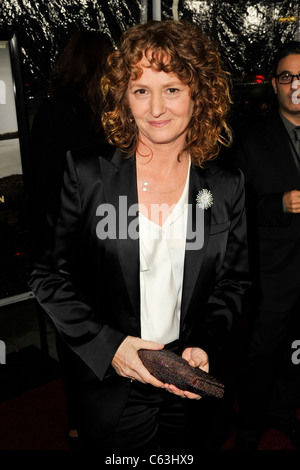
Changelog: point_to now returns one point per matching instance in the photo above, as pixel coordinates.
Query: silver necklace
(147, 187)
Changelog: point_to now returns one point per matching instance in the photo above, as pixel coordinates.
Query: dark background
(248, 34)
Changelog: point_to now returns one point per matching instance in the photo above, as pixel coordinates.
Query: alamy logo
(2, 352)
(295, 94)
(124, 223)
(296, 354)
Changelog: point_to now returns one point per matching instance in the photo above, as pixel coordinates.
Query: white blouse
(162, 250)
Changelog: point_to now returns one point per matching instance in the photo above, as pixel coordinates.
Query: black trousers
(152, 420)
(269, 383)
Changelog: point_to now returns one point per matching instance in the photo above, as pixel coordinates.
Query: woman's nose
(157, 105)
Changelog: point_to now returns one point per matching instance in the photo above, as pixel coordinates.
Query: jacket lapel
(197, 238)
(119, 182)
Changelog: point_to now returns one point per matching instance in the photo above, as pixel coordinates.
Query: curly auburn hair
(194, 59)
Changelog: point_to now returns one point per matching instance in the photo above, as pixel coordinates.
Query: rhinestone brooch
(204, 199)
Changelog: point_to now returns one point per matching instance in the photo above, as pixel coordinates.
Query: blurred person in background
(268, 153)
(69, 119)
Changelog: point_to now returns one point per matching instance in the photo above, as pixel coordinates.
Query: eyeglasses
(285, 78)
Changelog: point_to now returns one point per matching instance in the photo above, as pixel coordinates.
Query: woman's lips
(159, 123)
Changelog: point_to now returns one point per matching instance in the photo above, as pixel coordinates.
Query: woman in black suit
(149, 247)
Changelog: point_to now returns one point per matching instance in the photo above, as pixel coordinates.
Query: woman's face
(161, 106)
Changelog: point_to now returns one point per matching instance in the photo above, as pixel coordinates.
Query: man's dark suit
(264, 155)
(90, 287)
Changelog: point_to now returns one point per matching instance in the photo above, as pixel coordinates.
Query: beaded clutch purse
(170, 368)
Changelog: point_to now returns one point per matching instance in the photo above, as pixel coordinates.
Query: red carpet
(36, 420)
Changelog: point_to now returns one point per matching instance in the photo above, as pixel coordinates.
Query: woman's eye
(140, 91)
(172, 90)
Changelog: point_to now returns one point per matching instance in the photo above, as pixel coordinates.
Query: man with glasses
(269, 156)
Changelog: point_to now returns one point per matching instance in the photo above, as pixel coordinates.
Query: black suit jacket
(90, 286)
(264, 154)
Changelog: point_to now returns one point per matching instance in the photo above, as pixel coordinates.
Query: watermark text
(296, 353)
(2, 352)
(295, 95)
(123, 222)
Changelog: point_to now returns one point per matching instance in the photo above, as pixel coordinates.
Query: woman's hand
(196, 357)
(127, 363)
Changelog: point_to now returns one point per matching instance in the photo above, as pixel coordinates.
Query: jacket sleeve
(53, 281)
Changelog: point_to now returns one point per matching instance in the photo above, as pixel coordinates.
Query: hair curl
(195, 60)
